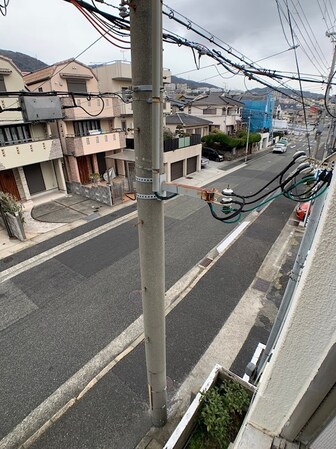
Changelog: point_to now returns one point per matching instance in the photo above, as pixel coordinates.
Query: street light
(247, 139)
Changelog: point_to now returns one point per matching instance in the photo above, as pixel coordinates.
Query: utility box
(40, 108)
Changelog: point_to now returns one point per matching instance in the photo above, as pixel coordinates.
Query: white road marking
(50, 253)
(232, 236)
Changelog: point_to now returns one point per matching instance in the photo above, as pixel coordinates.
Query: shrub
(223, 410)
(10, 204)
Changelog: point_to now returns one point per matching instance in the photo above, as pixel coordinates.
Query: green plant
(10, 205)
(94, 177)
(221, 415)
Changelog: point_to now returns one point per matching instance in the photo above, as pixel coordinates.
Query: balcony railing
(181, 142)
(27, 153)
(97, 143)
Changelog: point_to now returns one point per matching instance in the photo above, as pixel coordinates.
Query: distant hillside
(24, 62)
(267, 90)
(191, 84)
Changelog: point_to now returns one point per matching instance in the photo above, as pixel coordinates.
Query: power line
(298, 70)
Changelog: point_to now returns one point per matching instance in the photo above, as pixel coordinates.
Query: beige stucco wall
(308, 334)
(13, 82)
(12, 156)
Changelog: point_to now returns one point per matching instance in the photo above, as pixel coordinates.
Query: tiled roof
(214, 99)
(180, 118)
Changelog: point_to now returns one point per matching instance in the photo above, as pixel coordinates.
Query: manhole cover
(261, 285)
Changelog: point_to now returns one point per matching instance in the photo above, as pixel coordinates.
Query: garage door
(176, 170)
(191, 165)
(34, 178)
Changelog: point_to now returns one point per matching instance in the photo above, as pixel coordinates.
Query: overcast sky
(53, 30)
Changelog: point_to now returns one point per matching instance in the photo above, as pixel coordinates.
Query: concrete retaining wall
(97, 193)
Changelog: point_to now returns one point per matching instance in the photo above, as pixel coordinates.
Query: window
(2, 84)
(209, 111)
(84, 127)
(10, 135)
(76, 85)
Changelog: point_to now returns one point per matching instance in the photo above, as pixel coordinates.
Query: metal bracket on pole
(144, 180)
(143, 196)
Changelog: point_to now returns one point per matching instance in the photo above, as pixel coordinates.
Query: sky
(54, 30)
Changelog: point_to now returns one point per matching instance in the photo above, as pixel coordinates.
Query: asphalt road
(73, 305)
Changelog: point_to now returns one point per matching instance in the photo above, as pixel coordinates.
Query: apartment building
(116, 76)
(30, 152)
(89, 131)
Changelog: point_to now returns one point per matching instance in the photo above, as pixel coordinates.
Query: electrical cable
(3, 7)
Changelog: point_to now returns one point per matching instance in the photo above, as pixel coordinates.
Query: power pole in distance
(324, 112)
(146, 51)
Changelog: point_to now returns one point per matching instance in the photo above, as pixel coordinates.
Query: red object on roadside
(302, 210)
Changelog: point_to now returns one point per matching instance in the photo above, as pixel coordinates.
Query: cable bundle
(305, 183)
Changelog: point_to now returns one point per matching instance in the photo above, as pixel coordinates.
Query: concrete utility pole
(146, 51)
(324, 112)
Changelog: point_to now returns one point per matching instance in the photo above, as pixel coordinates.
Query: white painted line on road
(232, 236)
(50, 253)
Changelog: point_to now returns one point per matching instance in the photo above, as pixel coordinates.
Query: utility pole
(247, 138)
(324, 112)
(146, 52)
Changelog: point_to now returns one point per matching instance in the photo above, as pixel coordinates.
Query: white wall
(308, 334)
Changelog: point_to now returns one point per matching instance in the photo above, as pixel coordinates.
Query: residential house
(182, 123)
(258, 111)
(225, 112)
(181, 156)
(30, 152)
(88, 131)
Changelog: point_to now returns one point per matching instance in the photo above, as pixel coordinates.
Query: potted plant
(94, 177)
(215, 415)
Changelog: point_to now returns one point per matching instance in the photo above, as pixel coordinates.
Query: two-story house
(30, 152)
(224, 111)
(88, 132)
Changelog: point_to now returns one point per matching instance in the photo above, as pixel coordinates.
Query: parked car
(301, 210)
(283, 140)
(204, 162)
(280, 148)
(212, 154)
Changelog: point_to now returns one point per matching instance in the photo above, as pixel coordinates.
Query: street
(75, 304)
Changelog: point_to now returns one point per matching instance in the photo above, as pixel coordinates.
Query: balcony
(27, 153)
(98, 143)
(93, 107)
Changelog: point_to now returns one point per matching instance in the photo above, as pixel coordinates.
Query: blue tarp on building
(260, 111)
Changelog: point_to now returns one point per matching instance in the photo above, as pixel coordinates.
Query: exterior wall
(48, 174)
(170, 157)
(93, 106)
(12, 156)
(308, 334)
(13, 82)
